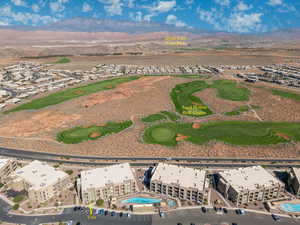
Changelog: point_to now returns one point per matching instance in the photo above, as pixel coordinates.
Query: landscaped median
(80, 134)
(230, 132)
(72, 93)
(188, 104)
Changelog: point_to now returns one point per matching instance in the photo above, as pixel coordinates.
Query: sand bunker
(284, 136)
(95, 135)
(196, 125)
(181, 137)
(37, 123)
(124, 90)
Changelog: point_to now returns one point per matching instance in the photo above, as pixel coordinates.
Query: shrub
(100, 202)
(70, 172)
(16, 207)
(18, 198)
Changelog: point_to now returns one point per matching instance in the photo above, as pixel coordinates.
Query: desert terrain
(36, 130)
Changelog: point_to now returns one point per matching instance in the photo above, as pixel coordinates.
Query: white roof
(100, 177)
(39, 174)
(297, 173)
(250, 178)
(183, 176)
(3, 162)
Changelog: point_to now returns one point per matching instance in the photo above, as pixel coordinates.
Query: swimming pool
(288, 207)
(140, 200)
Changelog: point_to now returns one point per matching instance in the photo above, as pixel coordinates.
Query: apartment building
(294, 181)
(106, 183)
(249, 184)
(7, 166)
(180, 182)
(41, 181)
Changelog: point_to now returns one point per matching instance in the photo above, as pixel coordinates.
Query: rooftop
(39, 174)
(250, 178)
(100, 177)
(183, 176)
(297, 173)
(3, 162)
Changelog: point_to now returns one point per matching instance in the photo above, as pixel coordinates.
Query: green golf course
(80, 134)
(153, 118)
(162, 115)
(188, 104)
(231, 132)
(286, 94)
(241, 109)
(62, 96)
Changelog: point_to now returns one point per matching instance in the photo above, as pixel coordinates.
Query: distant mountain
(103, 25)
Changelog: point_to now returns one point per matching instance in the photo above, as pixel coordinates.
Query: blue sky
(242, 16)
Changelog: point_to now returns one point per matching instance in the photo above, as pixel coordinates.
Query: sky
(241, 16)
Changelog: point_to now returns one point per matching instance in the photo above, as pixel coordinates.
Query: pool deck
(278, 206)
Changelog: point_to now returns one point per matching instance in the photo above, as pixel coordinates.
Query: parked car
(162, 214)
(100, 212)
(234, 224)
(242, 212)
(179, 223)
(275, 217)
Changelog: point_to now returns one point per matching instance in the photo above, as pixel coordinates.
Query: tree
(16, 207)
(100, 202)
(70, 172)
(18, 198)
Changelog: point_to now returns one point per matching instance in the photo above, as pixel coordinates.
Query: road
(145, 161)
(172, 218)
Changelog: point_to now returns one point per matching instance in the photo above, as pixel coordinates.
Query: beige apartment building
(249, 184)
(180, 182)
(41, 181)
(7, 166)
(106, 183)
(294, 181)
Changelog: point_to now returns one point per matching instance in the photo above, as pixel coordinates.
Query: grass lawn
(80, 134)
(61, 61)
(286, 94)
(240, 110)
(62, 96)
(231, 132)
(153, 118)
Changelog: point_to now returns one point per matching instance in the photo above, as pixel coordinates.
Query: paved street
(172, 218)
